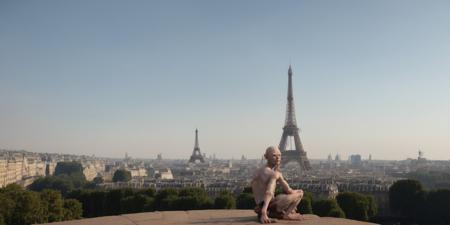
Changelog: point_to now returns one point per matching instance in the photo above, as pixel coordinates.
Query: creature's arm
(268, 195)
(285, 185)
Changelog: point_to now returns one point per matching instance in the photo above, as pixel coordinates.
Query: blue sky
(109, 77)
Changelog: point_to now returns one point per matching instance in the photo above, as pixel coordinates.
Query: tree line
(70, 181)
(126, 200)
(23, 207)
(68, 176)
(431, 179)
(410, 203)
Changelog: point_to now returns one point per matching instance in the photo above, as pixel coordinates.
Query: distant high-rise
(196, 154)
(355, 160)
(290, 131)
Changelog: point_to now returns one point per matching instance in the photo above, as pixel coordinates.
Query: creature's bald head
(273, 156)
(270, 150)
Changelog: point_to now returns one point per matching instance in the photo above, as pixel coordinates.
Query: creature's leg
(295, 199)
(286, 205)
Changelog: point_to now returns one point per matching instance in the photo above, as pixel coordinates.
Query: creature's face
(274, 157)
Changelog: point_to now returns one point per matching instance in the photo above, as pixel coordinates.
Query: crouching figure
(282, 206)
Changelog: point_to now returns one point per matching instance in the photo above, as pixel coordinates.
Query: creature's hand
(264, 218)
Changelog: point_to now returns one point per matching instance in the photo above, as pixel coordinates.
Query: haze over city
(109, 77)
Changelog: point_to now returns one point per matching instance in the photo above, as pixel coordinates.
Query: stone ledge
(201, 217)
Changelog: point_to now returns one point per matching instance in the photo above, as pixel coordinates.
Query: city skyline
(108, 77)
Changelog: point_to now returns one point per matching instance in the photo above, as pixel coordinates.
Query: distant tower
(337, 158)
(127, 158)
(420, 157)
(196, 154)
(290, 129)
(330, 158)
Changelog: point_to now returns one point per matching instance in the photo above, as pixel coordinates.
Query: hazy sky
(109, 77)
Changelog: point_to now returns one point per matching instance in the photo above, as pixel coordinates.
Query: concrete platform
(201, 217)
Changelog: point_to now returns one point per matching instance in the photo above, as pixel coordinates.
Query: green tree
(78, 179)
(193, 198)
(245, 201)
(74, 169)
(75, 194)
(7, 206)
(186, 203)
(22, 207)
(98, 202)
(327, 207)
(150, 192)
(114, 200)
(72, 209)
(94, 202)
(149, 204)
(169, 203)
(63, 183)
(165, 199)
(122, 175)
(407, 198)
(438, 203)
(137, 203)
(27, 206)
(128, 205)
(373, 206)
(89, 185)
(149, 195)
(98, 180)
(431, 179)
(83, 196)
(55, 183)
(225, 201)
(52, 205)
(357, 206)
(305, 206)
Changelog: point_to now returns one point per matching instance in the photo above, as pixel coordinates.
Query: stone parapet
(203, 217)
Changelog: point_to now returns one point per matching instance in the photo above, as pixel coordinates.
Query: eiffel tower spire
(196, 146)
(196, 154)
(290, 112)
(290, 130)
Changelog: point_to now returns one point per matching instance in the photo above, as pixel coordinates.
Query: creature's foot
(293, 216)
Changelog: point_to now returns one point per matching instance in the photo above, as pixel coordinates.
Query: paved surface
(201, 217)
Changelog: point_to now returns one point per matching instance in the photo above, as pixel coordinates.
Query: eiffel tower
(290, 130)
(196, 154)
